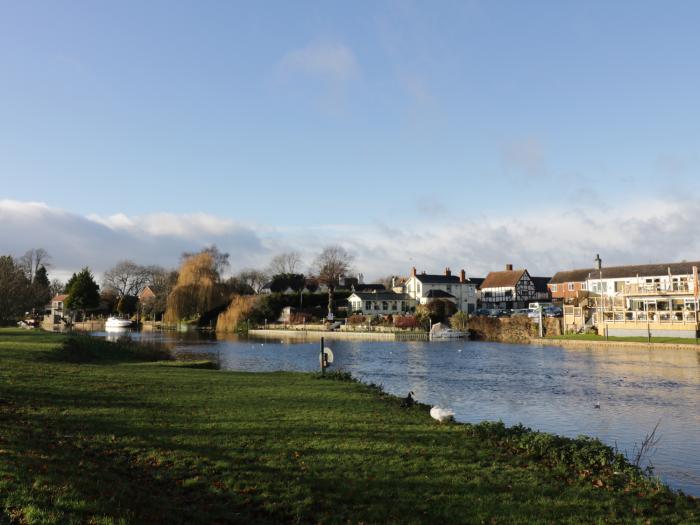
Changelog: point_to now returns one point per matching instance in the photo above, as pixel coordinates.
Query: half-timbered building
(508, 289)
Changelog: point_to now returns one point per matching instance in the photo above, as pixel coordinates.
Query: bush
(355, 319)
(405, 321)
(459, 321)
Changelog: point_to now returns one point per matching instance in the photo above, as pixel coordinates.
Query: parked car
(552, 311)
(498, 313)
(481, 312)
(520, 312)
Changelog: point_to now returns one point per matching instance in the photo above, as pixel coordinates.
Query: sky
(467, 134)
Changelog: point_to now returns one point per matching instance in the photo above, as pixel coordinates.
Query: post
(539, 310)
(323, 368)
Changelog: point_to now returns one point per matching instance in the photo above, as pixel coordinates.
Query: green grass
(90, 440)
(631, 339)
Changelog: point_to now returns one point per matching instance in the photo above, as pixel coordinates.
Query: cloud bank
(651, 231)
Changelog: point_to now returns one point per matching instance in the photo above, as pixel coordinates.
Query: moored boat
(116, 322)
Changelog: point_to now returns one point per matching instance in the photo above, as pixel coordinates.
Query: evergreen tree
(40, 289)
(83, 291)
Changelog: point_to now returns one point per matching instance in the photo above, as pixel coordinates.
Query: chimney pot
(413, 271)
(462, 276)
(448, 273)
(509, 267)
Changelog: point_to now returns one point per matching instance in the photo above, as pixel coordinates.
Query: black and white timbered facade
(508, 289)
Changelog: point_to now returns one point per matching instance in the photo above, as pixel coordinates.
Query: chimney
(598, 262)
(413, 271)
(448, 272)
(462, 276)
(509, 267)
(393, 281)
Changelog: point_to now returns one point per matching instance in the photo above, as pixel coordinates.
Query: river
(548, 388)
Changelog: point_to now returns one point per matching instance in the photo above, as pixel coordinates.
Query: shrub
(459, 321)
(356, 319)
(405, 321)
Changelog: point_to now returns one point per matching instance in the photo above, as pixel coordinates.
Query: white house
(384, 303)
(423, 288)
(57, 307)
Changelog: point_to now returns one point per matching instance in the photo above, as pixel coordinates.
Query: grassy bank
(594, 337)
(128, 439)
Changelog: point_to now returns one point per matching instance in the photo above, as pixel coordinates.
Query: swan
(441, 414)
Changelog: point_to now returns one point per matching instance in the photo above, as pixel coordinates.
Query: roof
(437, 278)
(381, 296)
(60, 297)
(476, 281)
(621, 272)
(571, 276)
(541, 283)
(147, 293)
(438, 294)
(502, 279)
(368, 287)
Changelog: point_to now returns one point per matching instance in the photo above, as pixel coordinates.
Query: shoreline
(579, 343)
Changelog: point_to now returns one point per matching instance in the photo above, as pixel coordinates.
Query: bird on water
(441, 414)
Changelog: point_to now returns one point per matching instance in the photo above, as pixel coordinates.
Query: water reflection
(548, 388)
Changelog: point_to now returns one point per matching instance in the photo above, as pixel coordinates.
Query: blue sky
(292, 116)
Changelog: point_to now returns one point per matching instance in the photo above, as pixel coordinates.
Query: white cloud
(649, 231)
(327, 60)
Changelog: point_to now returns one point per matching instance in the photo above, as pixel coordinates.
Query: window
(449, 287)
(554, 287)
(584, 286)
(368, 305)
(385, 305)
(619, 286)
(571, 287)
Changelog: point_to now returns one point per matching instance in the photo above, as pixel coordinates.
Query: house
(58, 309)
(147, 294)
(648, 299)
(384, 303)
(508, 289)
(423, 288)
(570, 286)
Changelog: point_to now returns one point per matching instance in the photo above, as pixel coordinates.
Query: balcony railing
(658, 288)
(670, 317)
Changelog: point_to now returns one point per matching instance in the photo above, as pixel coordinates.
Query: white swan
(441, 414)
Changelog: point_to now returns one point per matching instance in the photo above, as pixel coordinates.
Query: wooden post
(323, 368)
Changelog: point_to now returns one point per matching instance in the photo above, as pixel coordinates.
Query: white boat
(440, 331)
(115, 322)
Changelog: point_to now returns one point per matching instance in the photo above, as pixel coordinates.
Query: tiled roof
(502, 279)
(60, 297)
(437, 278)
(622, 272)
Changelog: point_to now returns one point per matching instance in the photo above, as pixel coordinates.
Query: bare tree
(57, 287)
(126, 278)
(330, 265)
(256, 279)
(288, 262)
(32, 260)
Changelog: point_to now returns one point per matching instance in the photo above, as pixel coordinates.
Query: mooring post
(323, 368)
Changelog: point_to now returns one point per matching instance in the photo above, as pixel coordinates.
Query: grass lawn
(594, 337)
(107, 437)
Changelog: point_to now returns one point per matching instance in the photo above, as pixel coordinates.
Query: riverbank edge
(330, 334)
(577, 343)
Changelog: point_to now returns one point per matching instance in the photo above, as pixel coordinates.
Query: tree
(285, 263)
(220, 259)
(282, 281)
(256, 279)
(15, 296)
(83, 291)
(128, 304)
(57, 287)
(330, 265)
(32, 260)
(127, 278)
(40, 289)
(459, 321)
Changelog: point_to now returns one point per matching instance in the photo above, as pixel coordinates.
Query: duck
(408, 401)
(441, 414)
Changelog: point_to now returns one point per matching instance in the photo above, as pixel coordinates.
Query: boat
(440, 331)
(116, 322)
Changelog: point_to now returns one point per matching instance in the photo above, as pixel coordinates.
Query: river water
(548, 388)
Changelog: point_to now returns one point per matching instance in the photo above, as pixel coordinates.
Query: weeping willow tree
(197, 290)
